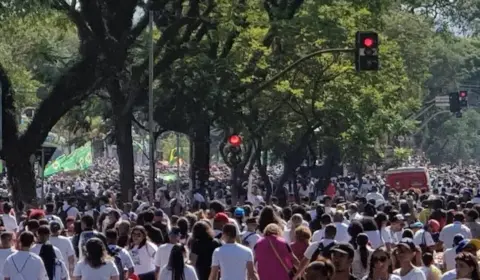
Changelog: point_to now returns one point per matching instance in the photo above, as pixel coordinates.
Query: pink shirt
(269, 267)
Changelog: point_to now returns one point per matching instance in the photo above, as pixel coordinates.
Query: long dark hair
(267, 216)
(143, 232)
(176, 262)
(96, 252)
(362, 241)
(47, 253)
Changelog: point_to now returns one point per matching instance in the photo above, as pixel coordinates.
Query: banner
(176, 156)
(79, 159)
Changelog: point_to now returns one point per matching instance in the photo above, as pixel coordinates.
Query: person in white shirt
(405, 252)
(70, 208)
(97, 264)
(176, 265)
(6, 249)
(318, 248)
(125, 260)
(457, 227)
(375, 195)
(143, 253)
(450, 253)
(163, 253)
(318, 235)
(423, 237)
(235, 261)
(24, 264)
(342, 235)
(43, 234)
(63, 244)
(9, 221)
(250, 236)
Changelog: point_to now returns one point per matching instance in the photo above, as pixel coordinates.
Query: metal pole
(150, 109)
(178, 161)
(42, 169)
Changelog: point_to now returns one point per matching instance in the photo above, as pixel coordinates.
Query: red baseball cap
(221, 217)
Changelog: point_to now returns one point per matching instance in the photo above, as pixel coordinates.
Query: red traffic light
(463, 94)
(368, 42)
(235, 140)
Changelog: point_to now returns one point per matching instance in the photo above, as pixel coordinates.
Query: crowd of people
(351, 229)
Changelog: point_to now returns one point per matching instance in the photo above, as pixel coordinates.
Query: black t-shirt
(204, 251)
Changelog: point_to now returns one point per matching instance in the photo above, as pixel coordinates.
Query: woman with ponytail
(381, 266)
(177, 268)
(361, 256)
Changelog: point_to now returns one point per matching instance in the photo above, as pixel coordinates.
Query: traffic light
(454, 101)
(463, 95)
(366, 51)
(233, 150)
(235, 140)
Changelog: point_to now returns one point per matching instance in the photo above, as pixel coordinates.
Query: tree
(106, 32)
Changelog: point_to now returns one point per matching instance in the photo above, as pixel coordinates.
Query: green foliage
(34, 49)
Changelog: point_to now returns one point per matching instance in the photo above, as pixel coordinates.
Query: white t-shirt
(9, 222)
(105, 272)
(163, 255)
(390, 277)
(124, 256)
(23, 265)
(449, 231)
(4, 253)
(232, 259)
(414, 274)
(64, 245)
(420, 238)
(308, 254)
(144, 258)
(188, 272)
(72, 212)
(37, 247)
(449, 258)
(376, 240)
(251, 238)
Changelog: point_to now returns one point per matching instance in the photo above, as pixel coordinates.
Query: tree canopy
(240, 67)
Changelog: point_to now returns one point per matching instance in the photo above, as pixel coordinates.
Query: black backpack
(118, 262)
(322, 250)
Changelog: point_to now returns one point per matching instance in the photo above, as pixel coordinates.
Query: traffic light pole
(424, 124)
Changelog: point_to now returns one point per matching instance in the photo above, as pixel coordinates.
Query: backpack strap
(248, 236)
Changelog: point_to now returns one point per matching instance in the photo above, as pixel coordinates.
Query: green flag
(79, 159)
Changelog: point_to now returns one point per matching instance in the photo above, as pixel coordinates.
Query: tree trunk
(200, 155)
(262, 170)
(123, 137)
(22, 179)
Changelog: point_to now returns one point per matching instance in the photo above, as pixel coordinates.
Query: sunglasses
(380, 259)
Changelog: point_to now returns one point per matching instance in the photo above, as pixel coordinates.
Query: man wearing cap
(404, 253)
(63, 244)
(450, 253)
(219, 221)
(466, 245)
(342, 258)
